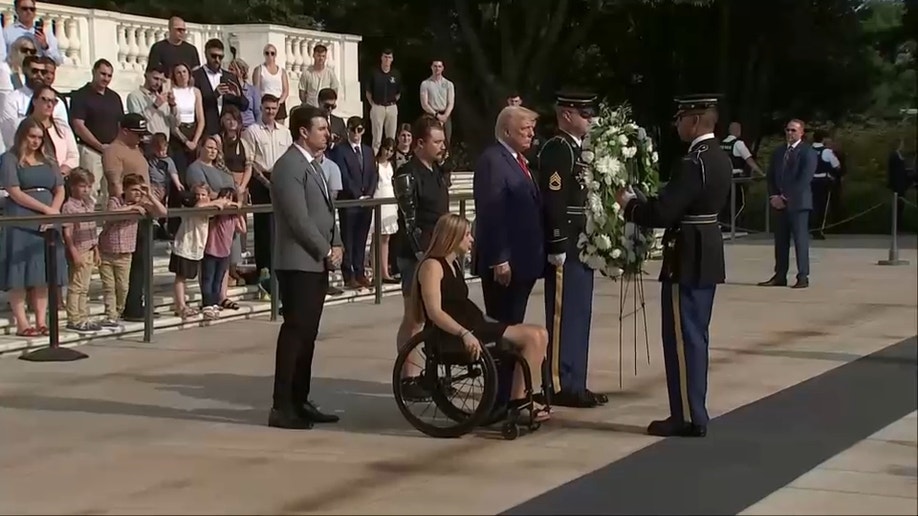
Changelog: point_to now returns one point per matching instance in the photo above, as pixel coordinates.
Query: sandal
(229, 304)
(531, 412)
(185, 312)
(43, 330)
(28, 332)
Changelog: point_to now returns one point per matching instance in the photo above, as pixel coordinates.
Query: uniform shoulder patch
(554, 182)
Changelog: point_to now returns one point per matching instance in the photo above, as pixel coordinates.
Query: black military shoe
(583, 399)
(672, 428)
(600, 398)
(288, 419)
(774, 282)
(310, 412)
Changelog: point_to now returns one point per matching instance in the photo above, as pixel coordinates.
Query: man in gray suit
(307, 246)
(789, 175)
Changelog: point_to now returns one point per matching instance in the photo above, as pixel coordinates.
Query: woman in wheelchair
(440, 297)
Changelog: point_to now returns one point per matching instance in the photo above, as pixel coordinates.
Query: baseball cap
(135, 123)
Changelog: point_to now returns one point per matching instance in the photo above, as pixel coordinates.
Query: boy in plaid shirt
(81, 242)
(118, 241)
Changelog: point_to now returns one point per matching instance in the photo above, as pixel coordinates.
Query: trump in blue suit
(789, 175)
(509, 239)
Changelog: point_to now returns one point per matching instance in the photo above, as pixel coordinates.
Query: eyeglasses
(48, 100)
(216, 56)
(331, 107)
(30, 9)
(28, 50)
(269, 53)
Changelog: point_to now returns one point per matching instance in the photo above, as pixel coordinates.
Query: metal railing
(52, 227)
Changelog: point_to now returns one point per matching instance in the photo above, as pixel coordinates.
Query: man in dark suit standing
(509, 238)
(307, 246)
(358, 180)
(789, 175)
(218, 87)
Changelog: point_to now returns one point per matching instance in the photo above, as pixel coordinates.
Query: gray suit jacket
(304, 215)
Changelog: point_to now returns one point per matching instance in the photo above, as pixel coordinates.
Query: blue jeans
(212, 271)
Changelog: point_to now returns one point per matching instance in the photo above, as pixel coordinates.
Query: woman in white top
(388, 222)
(60, 137)
(269, 78)
(189, 115)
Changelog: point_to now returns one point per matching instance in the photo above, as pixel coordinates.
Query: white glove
(557, 259)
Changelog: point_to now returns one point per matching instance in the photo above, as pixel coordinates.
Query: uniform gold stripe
(556, 330)
(680, 355)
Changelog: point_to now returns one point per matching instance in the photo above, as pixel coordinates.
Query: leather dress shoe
(310, 412)
(288, 419)
(774, 282)
(583, 399)
(670, 427)
(802, 283)
(601, 399)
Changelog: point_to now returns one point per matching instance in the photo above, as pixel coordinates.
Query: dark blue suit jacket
(508, 216)
(356, 181)
(793, 179)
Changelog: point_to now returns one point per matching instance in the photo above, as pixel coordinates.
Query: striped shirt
(267, 144)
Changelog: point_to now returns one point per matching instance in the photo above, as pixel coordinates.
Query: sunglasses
(331, 107)
(216, 56)
(270, 53)
(28, 9)
(28, 50)
(48, 100)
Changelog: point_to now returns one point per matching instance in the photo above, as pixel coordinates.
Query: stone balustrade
(86, 35)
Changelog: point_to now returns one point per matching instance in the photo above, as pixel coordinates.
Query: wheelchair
(446, 369)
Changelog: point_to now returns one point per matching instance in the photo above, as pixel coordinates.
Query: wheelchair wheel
(457, 393)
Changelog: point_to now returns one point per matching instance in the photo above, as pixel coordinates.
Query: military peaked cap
(575, 99)
(697, 101)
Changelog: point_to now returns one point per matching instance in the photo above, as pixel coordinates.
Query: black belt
(700, 219)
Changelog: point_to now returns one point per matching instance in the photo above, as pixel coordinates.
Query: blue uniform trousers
(686, 317)
(568, 314)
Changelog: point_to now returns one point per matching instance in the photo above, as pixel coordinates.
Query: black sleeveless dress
(454, 300)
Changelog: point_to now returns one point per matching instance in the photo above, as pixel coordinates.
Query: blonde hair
(512, 115)
(447, 236)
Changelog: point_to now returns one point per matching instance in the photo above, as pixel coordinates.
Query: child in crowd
(82, 244)
(188, 246)
(215, 264)
(162, 172)
(118, 241)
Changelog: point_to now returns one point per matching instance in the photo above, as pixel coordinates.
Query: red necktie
(522, 162)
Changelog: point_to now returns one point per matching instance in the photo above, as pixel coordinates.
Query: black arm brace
(407, 199)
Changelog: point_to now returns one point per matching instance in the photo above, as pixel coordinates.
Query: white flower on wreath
(622, 139)
(587, 156)
(629, 152)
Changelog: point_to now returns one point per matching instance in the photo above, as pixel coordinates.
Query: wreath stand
(631, 287)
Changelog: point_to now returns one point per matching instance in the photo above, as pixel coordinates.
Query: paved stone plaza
(813, 391)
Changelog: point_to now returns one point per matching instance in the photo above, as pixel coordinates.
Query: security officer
(568, 281)
(693, 261)
(827, 172)
(743, 165)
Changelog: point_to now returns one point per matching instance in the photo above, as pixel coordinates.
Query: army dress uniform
(568, 288)
(693, 266)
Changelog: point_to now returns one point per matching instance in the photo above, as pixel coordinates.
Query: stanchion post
(733, 211)
(462, 208)
(377, 253)
(894, 237)
(147, 225)
(53, 353)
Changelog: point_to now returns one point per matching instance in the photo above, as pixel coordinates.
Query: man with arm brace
(423, 197)
(693, 261)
